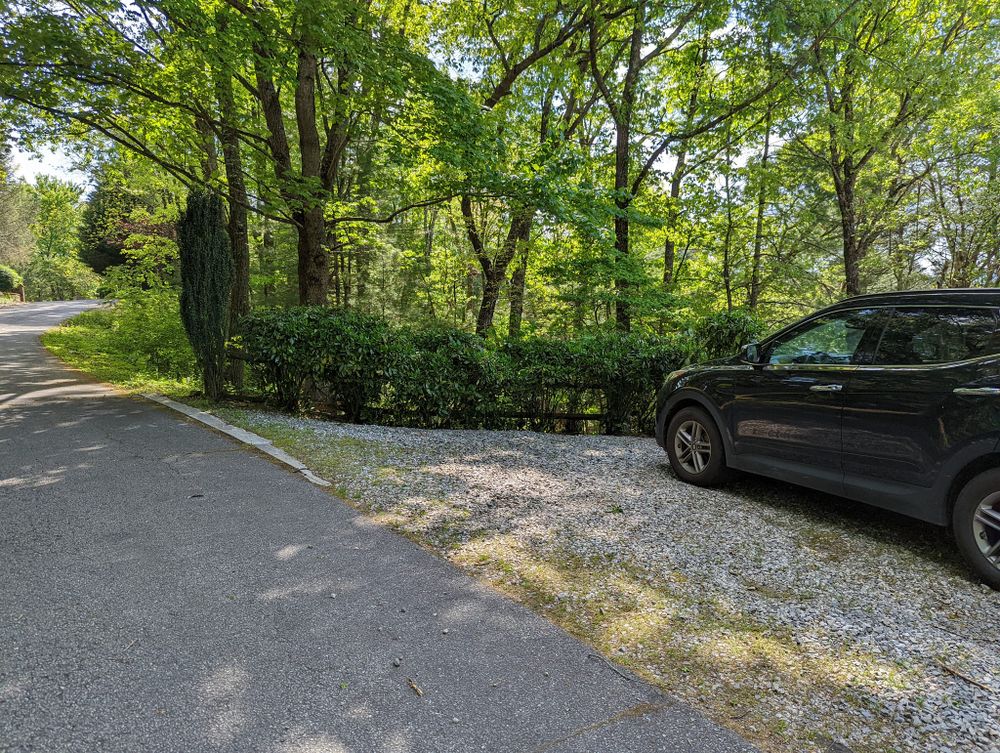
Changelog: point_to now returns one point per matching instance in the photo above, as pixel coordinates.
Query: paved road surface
(164, 589)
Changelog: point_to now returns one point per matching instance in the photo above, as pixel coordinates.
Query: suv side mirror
(750, 353)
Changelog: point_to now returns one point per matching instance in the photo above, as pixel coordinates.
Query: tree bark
(853, 250)
(622, 117)
(623, 197)
(239, 241)
(753, 298)
(209, 158)
(312, 267)
(680, 170)
(728, 239)
(266, 258)
(307, 211)
(494, 268)
(517, 282)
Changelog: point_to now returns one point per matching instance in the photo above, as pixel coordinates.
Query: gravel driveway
(801, 620)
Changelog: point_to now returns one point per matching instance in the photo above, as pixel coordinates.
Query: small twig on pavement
(612, 666)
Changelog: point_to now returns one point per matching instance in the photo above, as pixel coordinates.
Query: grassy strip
(92, 343)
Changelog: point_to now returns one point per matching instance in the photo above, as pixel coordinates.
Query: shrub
(276, 343)
(443, 377)
(149, 329)
(10, 280)
(58, 278)
(350, 358)
(140, 347)
(722, 334)
(206, 279)
(544, 380)
(342, 354)
(628, 369)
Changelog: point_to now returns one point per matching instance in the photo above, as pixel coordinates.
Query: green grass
(95, 343)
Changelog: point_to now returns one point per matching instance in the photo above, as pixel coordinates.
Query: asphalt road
(165, 589)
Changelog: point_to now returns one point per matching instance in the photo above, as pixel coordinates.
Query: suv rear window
(928, 335)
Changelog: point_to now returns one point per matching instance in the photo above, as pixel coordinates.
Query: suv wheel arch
(964, 476)
(689, 398)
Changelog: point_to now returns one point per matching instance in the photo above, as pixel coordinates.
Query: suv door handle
(829, 388)
(980, 391)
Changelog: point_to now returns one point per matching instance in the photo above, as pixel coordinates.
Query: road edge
(240, 435)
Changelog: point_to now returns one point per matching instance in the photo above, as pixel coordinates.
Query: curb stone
(240, 435)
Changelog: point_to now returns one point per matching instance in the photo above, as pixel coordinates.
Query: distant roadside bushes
(363, 368)
(10, 280)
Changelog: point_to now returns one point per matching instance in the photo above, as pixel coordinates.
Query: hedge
(366, 370)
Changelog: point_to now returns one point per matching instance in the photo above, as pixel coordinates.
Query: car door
(786, 413)
(932, 388)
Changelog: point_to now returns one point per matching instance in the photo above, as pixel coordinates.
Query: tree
(15, 213)
(54, 271)
(206, 282)
(103, 224)
(890, 67)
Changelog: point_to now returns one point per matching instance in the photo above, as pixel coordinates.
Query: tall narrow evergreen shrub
(206, 281)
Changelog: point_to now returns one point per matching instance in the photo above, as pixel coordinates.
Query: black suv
(890, 399)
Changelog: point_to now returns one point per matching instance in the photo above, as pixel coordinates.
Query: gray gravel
(883, 640)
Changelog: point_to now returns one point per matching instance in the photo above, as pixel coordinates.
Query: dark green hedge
(366, 370)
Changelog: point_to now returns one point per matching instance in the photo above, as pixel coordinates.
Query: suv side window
(934, 334)
(832, 339)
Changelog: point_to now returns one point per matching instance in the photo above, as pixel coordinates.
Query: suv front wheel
(976, 522)
(694, 446)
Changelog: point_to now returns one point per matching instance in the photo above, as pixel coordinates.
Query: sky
(54, 163)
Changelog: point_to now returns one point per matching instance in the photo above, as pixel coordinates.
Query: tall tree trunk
(488, 304)
(669, 259)
(517, 283)
(673, 213)
(851, 242)
(239, 241)
(265, 258)
(753, 298)
(623, 314)
(307, 211)
(494, 267)
(623, 163)
(313, 274)
(680, 170)
(209, 157)
(430, 222)
(727, 275)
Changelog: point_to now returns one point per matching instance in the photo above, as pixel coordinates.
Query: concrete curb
(240, 435)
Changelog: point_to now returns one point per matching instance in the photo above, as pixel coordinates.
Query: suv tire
(979, 541)
(694, 446)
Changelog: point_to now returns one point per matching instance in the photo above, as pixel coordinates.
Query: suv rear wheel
(694, 446)
(976, 522)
